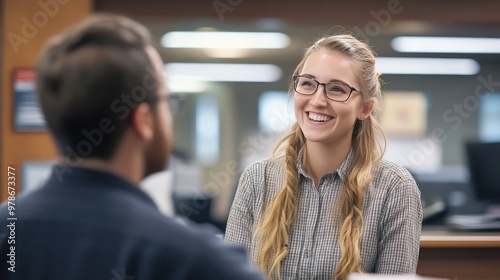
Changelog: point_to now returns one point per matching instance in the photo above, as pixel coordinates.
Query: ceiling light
(227, 53)
(427, 66)
(224, 72)
(185, 85)
(418, 44)
(225, 40)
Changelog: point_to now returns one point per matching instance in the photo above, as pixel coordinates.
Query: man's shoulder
(138, 229)
(200, 251)
(167, 231)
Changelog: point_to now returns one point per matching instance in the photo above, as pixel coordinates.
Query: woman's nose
(319, 97)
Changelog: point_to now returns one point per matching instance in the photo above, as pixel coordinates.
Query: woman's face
(321, 119)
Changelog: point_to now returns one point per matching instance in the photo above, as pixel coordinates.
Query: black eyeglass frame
(295, 81)
(175, 101)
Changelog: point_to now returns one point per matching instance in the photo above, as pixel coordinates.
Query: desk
(459, 255)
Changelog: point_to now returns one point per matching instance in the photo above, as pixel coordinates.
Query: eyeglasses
(175, 102)
(335, 91)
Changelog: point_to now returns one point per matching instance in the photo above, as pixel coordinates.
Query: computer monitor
(484, 167)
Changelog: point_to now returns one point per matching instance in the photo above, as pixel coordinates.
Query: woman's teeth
(319, 118)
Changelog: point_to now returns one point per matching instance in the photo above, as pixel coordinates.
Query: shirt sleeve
(240, 222)
(399, 241)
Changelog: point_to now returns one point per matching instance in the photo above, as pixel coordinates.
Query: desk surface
(442, 238)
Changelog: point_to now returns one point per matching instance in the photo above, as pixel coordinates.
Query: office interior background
(233, 102)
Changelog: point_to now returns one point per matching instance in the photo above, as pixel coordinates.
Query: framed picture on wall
(35, 173)
(27, 115)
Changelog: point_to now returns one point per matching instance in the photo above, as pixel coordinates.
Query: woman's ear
(142, 121)
(367, 109)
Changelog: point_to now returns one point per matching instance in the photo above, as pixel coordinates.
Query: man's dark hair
(89, 81)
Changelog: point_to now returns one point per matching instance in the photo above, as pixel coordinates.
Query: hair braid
(274, 229)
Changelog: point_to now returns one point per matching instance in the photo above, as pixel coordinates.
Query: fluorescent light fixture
(185, 85)
(224, 72)
(422, 44)
(225, 40)
(427, 66)
(227, 53)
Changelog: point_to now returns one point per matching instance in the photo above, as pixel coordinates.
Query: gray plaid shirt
(392, 219)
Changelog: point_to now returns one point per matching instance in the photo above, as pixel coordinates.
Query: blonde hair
(273, 230)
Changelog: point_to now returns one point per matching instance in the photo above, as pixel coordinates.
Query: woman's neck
(320, 158)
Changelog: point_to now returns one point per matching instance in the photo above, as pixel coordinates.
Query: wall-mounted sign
(28, 116)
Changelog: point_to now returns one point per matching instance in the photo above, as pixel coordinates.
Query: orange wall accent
(31, 23)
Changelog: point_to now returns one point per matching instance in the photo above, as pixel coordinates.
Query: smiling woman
(326, 205)
(320, 119)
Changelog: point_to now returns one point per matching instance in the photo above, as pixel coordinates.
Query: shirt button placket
(312, 221)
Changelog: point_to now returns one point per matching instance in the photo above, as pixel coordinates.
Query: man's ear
(367, 109)
(143, 122)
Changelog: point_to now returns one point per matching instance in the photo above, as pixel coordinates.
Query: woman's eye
(337, 89)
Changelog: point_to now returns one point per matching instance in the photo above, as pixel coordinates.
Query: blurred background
(236, 105)
(229, 64)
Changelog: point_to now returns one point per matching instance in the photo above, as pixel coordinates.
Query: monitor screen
(484, 167)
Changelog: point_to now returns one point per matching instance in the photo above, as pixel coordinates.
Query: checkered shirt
(392, 219)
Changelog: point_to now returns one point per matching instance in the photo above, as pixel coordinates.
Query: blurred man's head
(102, 92)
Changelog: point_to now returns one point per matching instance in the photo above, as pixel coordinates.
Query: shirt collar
(77, 177)
(342, 170)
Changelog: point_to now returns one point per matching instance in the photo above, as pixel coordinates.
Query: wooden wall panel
(26, 25)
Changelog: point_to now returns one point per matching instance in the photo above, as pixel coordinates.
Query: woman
(326, 204)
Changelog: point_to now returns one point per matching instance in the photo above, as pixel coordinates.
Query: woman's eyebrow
(331, 80)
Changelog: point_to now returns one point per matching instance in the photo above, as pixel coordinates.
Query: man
(103, 95)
